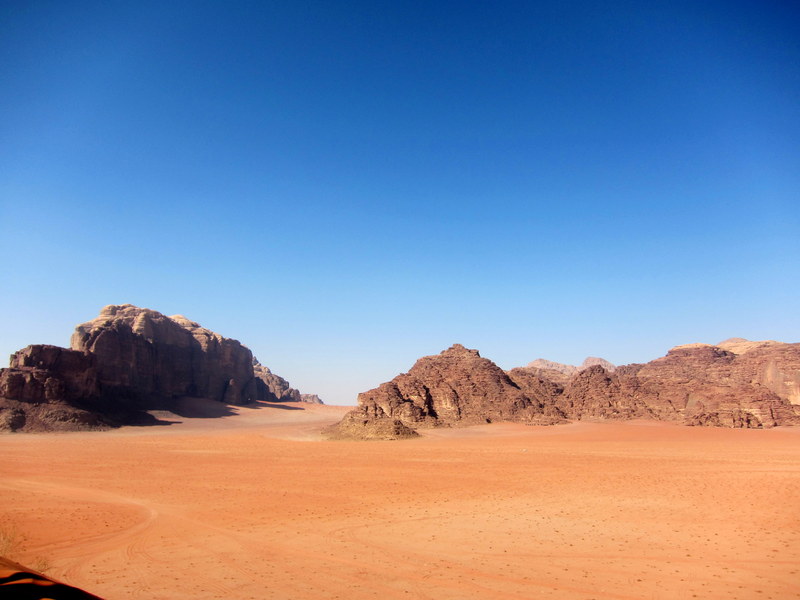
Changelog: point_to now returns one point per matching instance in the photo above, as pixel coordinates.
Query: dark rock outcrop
(369, 422)
(142, 354)
(456, 387)
(311, 399)
(735, 384)
(123, 363)
(703, 384)
(49, 388)
(274, 388)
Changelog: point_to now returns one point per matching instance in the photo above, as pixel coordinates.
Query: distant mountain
(561, 373)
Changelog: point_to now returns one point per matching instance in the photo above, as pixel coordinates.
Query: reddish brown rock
(595, 393)
(49, 388)
(746, 384)
(561, 373)
(143, 355)
(707, 384)
(456, 387)
(274, 388)
(369, 422)
(64, 374)
(123, 363)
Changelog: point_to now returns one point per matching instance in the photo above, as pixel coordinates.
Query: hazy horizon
(346, 188)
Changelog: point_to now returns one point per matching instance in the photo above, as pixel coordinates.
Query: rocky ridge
(276, 389)
(734, 384)
(561, 373)
(125, 362)
(456, 387)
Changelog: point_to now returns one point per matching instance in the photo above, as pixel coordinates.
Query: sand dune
(255, 505)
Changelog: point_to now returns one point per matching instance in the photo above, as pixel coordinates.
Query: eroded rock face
(142, 354)
(127, 361)
(48, 388)
(370, 422)
(707, 384)
(311, 399)
(41, 373)
(561, 373)
(275, 388)
(456, 387)
(744, 384)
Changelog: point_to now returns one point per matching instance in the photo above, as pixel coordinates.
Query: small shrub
(10, 540)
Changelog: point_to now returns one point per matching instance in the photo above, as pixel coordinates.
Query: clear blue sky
(347, 186)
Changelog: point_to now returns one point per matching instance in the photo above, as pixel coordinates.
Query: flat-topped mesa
(142, 354)
(455, 387)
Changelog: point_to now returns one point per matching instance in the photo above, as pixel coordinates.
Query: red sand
(256, 506)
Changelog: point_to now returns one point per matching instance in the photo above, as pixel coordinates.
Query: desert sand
(257, 505)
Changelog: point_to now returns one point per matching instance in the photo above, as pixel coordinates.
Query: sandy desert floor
(257, 506)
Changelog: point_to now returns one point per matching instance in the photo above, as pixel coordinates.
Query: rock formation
(49, 388)
(276, 388)
(735, 384)
(709, 385)
(142, 354)
(560, 372)
(311, 399)
(127, 361)
(456, 387)
(369, 422)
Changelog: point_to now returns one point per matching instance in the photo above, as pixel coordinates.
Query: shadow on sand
(203, 408)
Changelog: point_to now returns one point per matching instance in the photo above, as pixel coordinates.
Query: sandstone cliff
(456, 387)
(275, 388)
(709, 385)
(125, 362)
(49, 388)
(142, 354)
(749, 384)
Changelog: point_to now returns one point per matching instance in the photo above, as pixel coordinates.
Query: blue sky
(347, 186)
